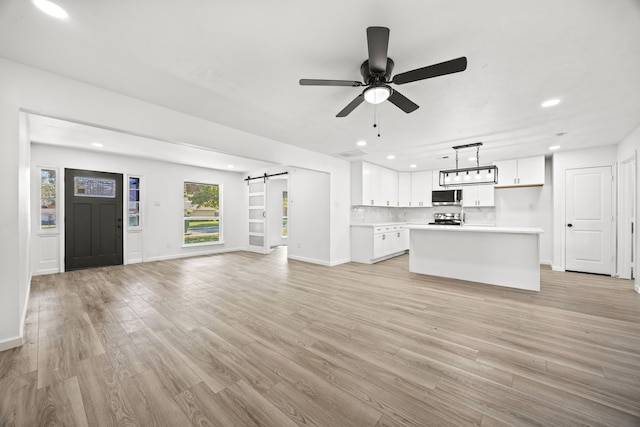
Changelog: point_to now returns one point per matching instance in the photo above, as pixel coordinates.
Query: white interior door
(589, 220)
(258, 217)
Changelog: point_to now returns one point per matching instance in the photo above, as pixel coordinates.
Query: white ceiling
(238, 63)
(51, 131)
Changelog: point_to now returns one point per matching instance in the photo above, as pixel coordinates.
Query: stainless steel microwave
(446, 197)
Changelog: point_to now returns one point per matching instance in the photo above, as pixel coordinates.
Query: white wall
(28, 89)
(627, 148)
(600, 156)
(14, 281)
(529, 207)
(275, 187)
(309, 217)
(162, 197)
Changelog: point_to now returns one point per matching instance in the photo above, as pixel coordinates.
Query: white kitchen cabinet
(400, 241)
(525, 172)
(373, 243)
(389, 187)
(373, 185)
(436, 181)
(404, 189)
(361, 184)
(421, 187)
(478, 195)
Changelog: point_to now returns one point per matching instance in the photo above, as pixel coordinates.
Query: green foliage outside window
(48, 198)
(201, 213)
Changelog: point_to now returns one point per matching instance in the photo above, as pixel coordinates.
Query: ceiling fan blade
(352, 106)
(316, 82)
(402, 102)
(378, 42)
(441, 69)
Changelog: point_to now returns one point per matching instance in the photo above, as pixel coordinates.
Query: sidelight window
(134, 202)
(201, 219)
(48, 199)
(285, 213)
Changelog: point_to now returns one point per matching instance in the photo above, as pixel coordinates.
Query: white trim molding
(10, 343)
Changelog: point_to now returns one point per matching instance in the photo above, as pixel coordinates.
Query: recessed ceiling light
(97, 144)
(391, 157)
(230, 166)
(413, 166)
(361, 143)
(554, 147)
(51, 9)
(550, 103)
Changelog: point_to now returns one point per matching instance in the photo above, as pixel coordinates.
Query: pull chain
(376, 119)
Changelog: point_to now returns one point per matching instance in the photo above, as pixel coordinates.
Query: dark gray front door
(93, 219)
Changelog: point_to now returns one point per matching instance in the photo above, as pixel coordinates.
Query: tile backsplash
(374, 215)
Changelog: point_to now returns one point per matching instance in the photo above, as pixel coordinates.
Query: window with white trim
(285, 213)
(48, 199)
(201, 219)
(135, 219)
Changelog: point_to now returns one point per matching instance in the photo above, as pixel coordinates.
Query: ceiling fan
(376, 72)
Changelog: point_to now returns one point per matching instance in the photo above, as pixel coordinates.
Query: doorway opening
(93, 219)
(626, 219)
(277, 212)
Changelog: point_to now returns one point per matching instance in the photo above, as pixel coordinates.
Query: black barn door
(93, 219)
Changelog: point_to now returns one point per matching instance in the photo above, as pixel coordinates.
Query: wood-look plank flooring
(240, 339)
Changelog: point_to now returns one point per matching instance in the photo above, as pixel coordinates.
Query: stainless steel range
(450, 218)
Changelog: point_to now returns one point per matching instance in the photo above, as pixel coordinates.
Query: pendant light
(478, 175)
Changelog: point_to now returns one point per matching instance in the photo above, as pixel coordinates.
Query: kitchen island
(503, 256)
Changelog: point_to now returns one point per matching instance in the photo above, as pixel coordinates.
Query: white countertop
(379, 224)
(475, 228)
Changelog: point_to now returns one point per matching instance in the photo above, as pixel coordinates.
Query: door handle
(569, 225)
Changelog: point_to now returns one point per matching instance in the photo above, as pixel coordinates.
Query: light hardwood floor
(241, 339)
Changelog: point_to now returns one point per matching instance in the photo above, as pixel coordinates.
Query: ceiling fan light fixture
(377, 94)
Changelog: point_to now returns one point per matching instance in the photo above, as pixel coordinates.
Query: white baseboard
(10, 343)
(546, 262)
(49, 271)
(309, 260)
(340, 261)
(556, 268)
(190, 254)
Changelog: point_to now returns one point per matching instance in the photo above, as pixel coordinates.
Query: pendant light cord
(376, 118)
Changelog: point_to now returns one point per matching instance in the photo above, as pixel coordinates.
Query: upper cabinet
(389, 195)
(478, 195)
(521, 172)
(404, 189)
(373, 185)
(421, 187)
